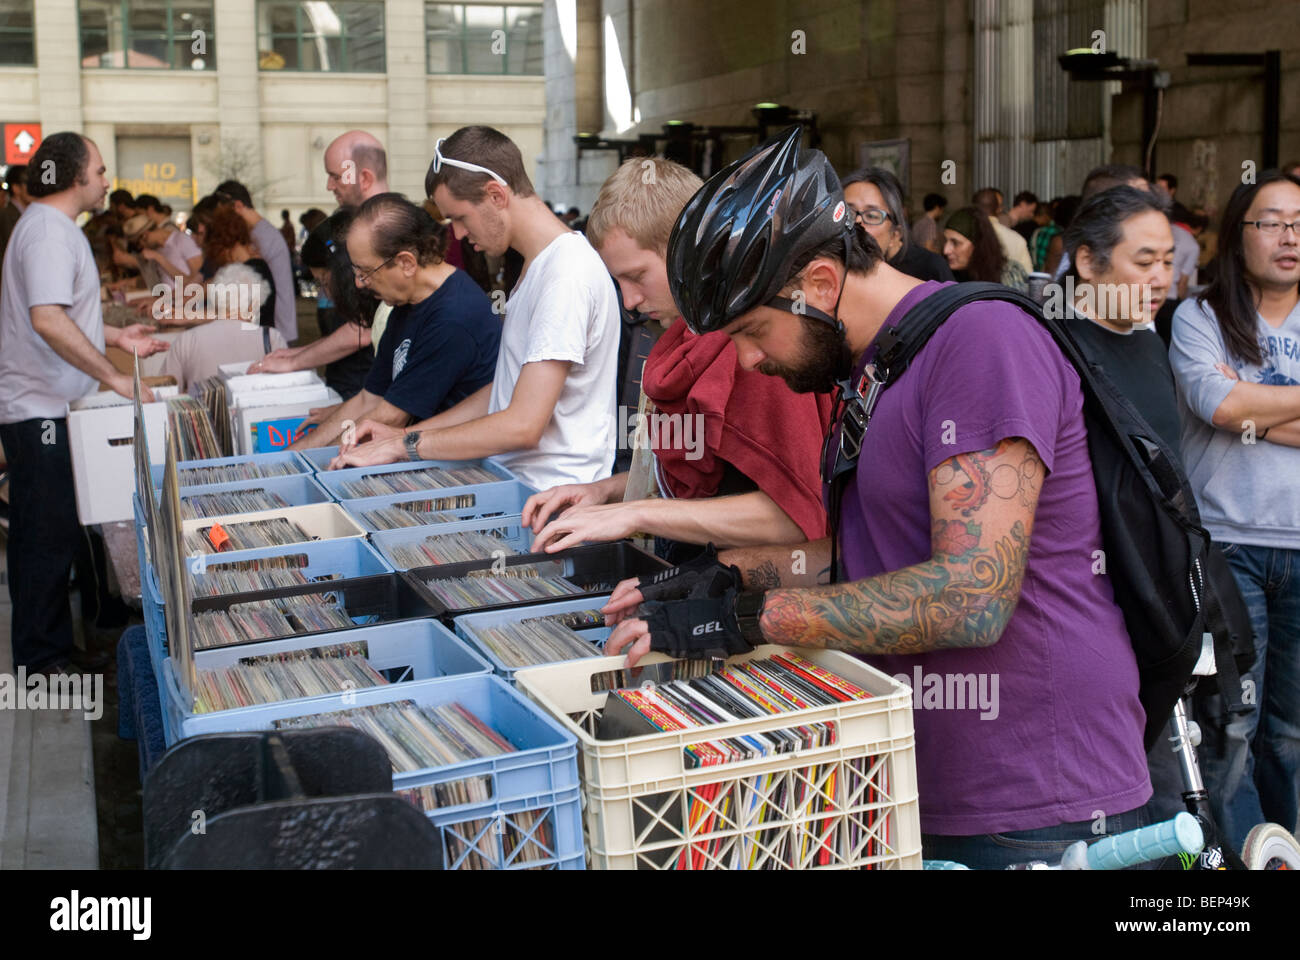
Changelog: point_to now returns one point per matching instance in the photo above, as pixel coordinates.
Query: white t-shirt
(179, 248)
(564, 308)
(47, 262)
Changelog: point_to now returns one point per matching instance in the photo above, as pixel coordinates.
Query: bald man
(356, 169)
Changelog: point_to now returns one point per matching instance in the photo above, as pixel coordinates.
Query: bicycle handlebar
(1182, 834)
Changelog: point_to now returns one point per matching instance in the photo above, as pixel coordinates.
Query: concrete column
(59, 71)
(571, 35)
(618, 69)
(408, 130)
(237, 87)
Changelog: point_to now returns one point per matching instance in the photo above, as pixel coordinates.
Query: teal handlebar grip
(1182, 834)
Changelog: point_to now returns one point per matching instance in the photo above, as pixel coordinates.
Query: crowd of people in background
(479, 320)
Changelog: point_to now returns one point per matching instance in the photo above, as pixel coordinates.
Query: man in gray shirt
(273, 249)
(52, 339)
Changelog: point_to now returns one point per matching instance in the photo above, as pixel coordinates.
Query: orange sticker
(218, 538)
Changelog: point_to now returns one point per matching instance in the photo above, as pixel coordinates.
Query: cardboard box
(251, 425)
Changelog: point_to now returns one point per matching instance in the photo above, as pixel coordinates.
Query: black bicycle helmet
(734, 245)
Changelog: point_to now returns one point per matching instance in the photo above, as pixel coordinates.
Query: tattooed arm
(765, 568)
(982, 514)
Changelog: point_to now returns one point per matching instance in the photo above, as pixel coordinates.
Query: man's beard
(826, 358)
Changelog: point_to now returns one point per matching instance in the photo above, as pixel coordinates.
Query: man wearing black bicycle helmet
(969, 530)
(735, 244)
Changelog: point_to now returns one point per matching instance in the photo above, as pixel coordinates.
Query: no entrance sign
(21, 141)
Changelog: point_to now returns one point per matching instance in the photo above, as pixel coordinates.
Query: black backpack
(1171, 583)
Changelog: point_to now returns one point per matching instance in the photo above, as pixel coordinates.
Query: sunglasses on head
(439, 161)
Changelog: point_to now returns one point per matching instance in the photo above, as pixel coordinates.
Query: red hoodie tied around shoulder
(752, 421)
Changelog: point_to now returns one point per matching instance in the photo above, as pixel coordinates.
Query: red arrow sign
(21, 141)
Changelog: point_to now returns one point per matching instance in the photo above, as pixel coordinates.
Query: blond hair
(643, 198)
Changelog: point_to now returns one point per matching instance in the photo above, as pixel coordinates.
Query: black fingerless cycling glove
(704, 626)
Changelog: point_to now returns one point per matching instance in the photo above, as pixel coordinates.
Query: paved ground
(47, 791)
(70, 787)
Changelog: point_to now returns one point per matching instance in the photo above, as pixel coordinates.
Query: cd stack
(416, 737)
(285, 676)
(248, 576)
(212, 394)
(267, 620)
(410, 481)
(547, 639)
(231, 472)
(230, 501)
(419, 513)
(188, 420)
(248, 535)
(454, 548)
(483, 588)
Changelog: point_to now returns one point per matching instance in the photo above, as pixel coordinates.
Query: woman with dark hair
(877, 200)
(972, 250)
(345, 314)
(1235, 350)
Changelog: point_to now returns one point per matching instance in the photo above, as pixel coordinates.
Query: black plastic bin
(596, 567)
(385, 596)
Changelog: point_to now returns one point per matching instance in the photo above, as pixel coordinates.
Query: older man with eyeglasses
(549, 413)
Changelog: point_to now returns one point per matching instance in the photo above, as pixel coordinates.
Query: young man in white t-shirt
(549, 413)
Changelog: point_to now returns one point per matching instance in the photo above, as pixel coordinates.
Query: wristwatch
(412, 440)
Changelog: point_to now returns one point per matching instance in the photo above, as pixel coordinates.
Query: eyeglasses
(365, 277)
(872, 216)
(439, 160)
(1273, 228)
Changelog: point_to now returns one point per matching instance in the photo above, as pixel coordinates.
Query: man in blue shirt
(442, 338)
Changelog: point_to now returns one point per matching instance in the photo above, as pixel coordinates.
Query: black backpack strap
(896, 346)
(899, 344)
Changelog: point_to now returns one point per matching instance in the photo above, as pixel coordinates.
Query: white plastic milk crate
(101, 430)
(851, 805)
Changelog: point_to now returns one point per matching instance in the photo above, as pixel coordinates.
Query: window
(483, 38)
(17, 35)
(343, 37)
(148, 34)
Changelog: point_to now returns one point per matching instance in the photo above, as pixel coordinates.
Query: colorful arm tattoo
(982, 511)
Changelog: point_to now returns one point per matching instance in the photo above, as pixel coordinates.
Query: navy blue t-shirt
(437, 352)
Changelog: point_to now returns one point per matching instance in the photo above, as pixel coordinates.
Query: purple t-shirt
(1059, 736)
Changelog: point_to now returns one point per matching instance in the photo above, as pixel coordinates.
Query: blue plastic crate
(548, 828)
(466, 624)
(295, 490)
(545, 761)
(155, 626)
(341, 559)
(517, 539)
(412, 649)
(142, 548)
(318, 458)
(290, 457)
(333, 480)
(503, 498)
